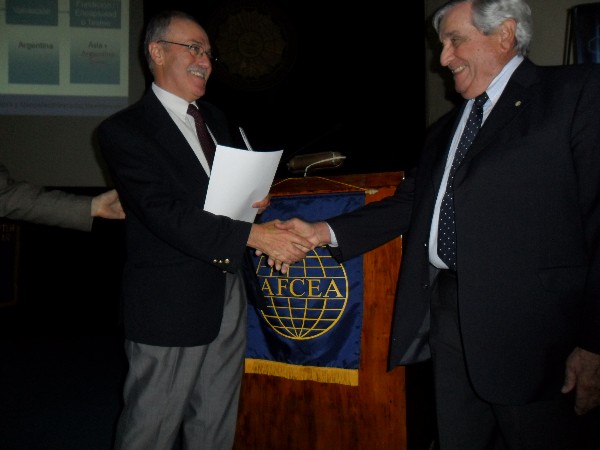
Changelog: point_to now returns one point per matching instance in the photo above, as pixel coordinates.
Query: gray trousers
(189, 390)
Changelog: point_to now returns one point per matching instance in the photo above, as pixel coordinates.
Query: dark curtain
(314, 76)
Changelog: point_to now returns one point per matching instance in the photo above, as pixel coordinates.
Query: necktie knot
(480, 100)
(193, 110)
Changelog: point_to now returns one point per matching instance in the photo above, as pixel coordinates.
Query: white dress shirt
(177, 109)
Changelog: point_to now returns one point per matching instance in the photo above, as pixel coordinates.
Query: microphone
(315, 161)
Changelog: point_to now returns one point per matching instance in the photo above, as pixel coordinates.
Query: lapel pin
(518, 103)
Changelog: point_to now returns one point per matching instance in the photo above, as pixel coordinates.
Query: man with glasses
(184, 304)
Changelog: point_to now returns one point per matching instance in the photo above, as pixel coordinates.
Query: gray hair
(158, 27)
(488, 15)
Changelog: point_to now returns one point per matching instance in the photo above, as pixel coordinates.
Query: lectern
(282, 414)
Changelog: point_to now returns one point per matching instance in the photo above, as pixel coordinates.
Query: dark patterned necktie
(447, 226)
(206, 142)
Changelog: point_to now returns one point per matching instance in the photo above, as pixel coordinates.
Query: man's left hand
(583, 374)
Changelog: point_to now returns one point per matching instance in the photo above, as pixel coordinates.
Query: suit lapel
(171, 141)
(514, 99)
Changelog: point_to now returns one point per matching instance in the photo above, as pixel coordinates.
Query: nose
(204, 61)
(446, 55)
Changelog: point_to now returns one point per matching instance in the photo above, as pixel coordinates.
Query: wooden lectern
(282, 414)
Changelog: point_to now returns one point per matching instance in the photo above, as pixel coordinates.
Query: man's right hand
(317, 234)
(284, 247)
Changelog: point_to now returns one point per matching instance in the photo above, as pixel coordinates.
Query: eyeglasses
(195, 50)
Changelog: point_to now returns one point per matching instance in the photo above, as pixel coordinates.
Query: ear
(156, 53)
(506, 34)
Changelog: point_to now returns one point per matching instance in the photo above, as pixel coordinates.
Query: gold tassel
(296, 372)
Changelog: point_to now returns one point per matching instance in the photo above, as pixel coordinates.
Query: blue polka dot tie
(447, 226)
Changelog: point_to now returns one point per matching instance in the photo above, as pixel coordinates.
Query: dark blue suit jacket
(527, 200)
(177, 253)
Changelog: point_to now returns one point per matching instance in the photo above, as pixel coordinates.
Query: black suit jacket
(177, 253)
(527, 201)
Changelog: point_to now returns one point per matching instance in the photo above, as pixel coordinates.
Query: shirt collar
(494, 90)
(173, 103)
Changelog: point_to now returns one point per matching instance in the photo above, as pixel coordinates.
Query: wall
(547, 48)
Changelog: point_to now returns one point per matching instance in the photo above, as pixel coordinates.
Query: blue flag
(311, 328)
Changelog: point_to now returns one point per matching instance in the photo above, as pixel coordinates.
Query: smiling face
(176, 70)
(473, 57)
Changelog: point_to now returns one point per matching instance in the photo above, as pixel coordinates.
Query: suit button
(227, 261)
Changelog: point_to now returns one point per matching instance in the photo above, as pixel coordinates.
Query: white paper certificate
(238, 179)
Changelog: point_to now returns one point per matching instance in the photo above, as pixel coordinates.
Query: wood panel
(281, 414)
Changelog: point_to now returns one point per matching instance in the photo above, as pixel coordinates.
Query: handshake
(287, 242)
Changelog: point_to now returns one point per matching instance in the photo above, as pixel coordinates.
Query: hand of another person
(284, 247)
(262, 205)
(107, 205)
(316, 232)
(583, 374)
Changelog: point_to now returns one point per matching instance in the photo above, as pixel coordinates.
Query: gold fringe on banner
(295, 372)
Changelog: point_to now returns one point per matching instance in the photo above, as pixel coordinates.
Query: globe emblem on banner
(308, 300)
